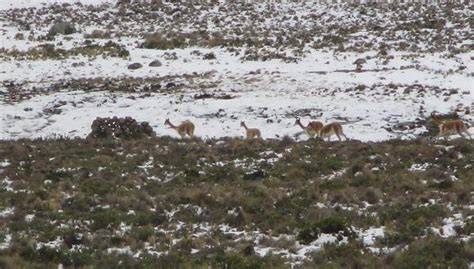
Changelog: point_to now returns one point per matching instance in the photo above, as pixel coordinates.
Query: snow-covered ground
(8, 4)
(376, 104)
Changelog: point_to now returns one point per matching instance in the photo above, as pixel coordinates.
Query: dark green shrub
(330, 225)
(105, 220)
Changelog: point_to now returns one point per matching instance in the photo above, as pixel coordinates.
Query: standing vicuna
(332, 129)
(185, 128)
(447, 127)
(312, 129)
(251, 132)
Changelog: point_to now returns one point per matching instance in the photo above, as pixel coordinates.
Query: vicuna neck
(437, 120)
(171, 125)
(301, 125)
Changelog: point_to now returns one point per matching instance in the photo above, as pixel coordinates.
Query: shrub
(62, 28)
(344, 256)
(330, 225)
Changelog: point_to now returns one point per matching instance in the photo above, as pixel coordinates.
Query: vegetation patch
(50, 52)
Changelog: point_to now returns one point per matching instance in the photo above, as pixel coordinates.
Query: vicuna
(312, 129)
(185, 128)
(332, 129)
(251, 132)
(447, 127)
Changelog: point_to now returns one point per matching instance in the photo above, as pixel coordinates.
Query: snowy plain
(270, 94)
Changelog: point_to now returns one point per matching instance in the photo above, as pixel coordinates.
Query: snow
(268, 97)
(55, 244)
(416, 167)
(29, 217)
(121, 251)
(317, 244)
(370, 235)
(7, 184)
(449, 224)
(7, 212)
(6, 242)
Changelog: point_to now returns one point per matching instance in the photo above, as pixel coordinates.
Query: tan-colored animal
(447, 127)
(251, 132)
(185, 128)
(332, 129)
(312, 129)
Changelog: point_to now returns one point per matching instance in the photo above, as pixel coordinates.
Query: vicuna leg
(468, 134)
(345, 137)
(441, 134)
(458, 130)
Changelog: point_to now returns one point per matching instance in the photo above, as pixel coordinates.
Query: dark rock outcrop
(115, 127)
(155, 63)
(135, 66)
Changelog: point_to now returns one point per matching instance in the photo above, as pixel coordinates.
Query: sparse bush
(160, 41)
(98, 34)
(433, 253)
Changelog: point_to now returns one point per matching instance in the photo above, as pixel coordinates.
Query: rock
(115, 127)
(135, 66)
(359, 62)
(62, 28)
(78, 64)
(54, 111)
(155, 63)
(170, 85)
(209, 56)
(170, 56)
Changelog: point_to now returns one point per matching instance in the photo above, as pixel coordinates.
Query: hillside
(236, 203)
(393, 195)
